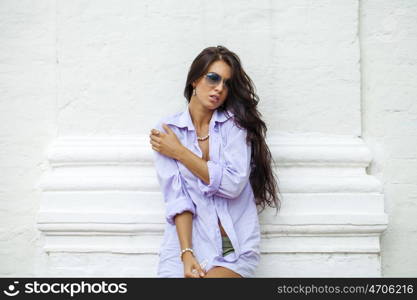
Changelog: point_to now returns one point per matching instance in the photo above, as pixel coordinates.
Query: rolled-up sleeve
(228, 178)
(177, 200)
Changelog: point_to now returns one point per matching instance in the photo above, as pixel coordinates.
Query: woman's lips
(214, 99)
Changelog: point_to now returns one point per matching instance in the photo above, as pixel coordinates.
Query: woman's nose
(220, 86)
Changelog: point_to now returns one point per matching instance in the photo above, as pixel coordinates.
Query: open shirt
(229, 197)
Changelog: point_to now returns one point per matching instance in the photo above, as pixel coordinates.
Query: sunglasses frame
(226, 83)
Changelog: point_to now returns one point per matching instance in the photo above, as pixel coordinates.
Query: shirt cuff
(178, 206)
(215, 171)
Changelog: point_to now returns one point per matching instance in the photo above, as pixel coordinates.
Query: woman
(214, 169)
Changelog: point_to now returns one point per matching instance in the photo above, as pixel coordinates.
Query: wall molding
(101, 195)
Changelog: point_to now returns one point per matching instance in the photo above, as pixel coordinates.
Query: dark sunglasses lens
(213, 78)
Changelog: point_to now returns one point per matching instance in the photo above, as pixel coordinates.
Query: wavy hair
(242, 101)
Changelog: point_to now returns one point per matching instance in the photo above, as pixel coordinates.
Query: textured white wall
(28, 123)
(100, 68)
(389, 93)
(118, 60)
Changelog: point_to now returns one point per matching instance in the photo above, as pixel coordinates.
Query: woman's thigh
(221, 272)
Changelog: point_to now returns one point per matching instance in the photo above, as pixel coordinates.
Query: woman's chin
(213, 105)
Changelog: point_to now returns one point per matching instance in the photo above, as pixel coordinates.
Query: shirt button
(216, 129)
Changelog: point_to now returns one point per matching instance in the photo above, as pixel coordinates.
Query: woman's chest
(209, 149)
(205, 149)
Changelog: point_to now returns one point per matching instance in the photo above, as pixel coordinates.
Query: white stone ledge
(297, 184)
(92, 217)
(149, 244)
(267, 230)
(287, 150)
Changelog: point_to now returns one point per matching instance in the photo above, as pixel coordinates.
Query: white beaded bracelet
(185, 250)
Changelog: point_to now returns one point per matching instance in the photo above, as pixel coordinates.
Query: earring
(194, 92)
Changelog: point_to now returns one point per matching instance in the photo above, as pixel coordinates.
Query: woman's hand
(166, 143)
(192, 268)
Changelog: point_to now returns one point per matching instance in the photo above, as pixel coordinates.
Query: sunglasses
(213, 79)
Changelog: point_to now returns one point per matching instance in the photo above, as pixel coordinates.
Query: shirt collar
(184, 119)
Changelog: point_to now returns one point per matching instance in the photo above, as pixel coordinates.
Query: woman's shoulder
(172, 119)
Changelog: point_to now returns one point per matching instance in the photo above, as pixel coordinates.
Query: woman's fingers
(154, 137)
(154, 145)
(157, 132)
(200, 271)
(154, 140)
(191, 274)
(194, 272)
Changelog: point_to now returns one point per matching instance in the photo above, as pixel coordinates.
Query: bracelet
(185, 250)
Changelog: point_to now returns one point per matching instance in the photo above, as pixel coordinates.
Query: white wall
(102, 69)
(28, 113)
(389, 96)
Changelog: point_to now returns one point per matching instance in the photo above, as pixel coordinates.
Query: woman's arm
(184, 222)
(171, 182)
(184, 226)
(194, 163)
(168, 144)
(180, 209)
(225, 179)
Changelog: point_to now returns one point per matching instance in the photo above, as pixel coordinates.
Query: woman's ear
(194, 83)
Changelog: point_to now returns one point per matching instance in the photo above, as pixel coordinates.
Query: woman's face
(206, 88)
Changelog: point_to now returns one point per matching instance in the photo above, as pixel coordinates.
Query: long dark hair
(242, 101)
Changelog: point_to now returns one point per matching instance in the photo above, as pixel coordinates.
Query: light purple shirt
(229, 197)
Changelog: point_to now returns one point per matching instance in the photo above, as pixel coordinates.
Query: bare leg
(221, 272)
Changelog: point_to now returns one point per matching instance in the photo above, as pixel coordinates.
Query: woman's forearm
(194, 163)
(184, 225)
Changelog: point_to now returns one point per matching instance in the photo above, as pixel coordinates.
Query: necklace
(203, 138)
